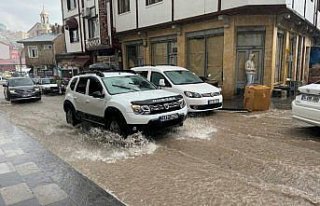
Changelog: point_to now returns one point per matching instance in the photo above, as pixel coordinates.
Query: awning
(72, 23)
(79, 61)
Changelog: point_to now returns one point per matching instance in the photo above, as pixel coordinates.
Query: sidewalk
(31, 176)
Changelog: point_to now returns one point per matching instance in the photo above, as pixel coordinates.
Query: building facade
(40, 53)
(216, 37)
(88, 33)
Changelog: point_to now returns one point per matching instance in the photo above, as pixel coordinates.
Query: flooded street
(221, 158)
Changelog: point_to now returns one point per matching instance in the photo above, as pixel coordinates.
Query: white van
(199, 95)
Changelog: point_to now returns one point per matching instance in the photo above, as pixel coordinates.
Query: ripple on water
(110, 147)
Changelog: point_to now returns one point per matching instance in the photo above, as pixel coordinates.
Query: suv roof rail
(166, 65)
(100, 73)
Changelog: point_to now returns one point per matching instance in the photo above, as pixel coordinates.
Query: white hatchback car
(199, 96)
(306, 106)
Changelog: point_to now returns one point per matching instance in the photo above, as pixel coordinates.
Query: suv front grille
(164, 107)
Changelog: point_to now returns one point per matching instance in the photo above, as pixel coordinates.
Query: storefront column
(270, 55)
(181, 41)
(229, 60)
(285, 62)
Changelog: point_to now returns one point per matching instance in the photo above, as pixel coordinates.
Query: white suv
(200, 96)
(122, 101)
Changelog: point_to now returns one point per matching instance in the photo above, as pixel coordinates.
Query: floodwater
(220, 158)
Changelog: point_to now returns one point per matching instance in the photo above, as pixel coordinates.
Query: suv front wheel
(117, 124)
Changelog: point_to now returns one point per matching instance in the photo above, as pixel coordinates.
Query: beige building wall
(230, 26)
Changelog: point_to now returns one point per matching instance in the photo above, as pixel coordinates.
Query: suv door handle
(87, 101)
(75, 97)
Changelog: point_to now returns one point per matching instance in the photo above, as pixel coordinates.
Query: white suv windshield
(183, 77)
(125, 84)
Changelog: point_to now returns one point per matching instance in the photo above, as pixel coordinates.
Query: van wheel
(71, 117)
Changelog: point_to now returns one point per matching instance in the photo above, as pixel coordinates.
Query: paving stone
(36, 179)
(16, 193)
(27, 168)
(6, 167)
(64, 202)
(30, 202)
(13, 152)
(48, 194)
(10, 179)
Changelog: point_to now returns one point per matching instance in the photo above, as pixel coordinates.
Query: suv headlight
(192, 94)
(141, 109)
(12, 91)
(36, 89)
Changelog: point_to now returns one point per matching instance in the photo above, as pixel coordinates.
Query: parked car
(50, 86)
(21, 88)
(200, 96)
(122, 101)
(306, 106)
(2, 80)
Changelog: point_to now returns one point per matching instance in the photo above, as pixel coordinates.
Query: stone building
(40, 53)
(216, 37)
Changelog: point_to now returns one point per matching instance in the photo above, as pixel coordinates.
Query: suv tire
(71, 116)
(118, 125)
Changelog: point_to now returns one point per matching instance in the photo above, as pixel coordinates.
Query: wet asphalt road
(221, 158)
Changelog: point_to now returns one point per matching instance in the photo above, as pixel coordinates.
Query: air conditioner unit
(87, 12)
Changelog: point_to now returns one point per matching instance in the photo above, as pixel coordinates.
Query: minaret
(45, 26)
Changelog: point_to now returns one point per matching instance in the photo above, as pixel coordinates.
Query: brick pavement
(31, 176)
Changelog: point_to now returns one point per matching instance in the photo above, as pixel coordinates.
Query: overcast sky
(21, 15)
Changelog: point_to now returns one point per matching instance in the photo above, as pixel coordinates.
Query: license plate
(169, 117)
(213, 101)
(310, 98)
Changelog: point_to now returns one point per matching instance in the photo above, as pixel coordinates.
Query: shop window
(33, 52)
(278, 77)
(164, 52)
(149, 2)
(205, 54)
(123, 6)
(71, 4)
(74, 35)
(135, 55)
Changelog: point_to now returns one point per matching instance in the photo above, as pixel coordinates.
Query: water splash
(110, 147)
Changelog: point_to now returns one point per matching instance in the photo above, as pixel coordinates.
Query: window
(47, 47)
(73, 83)
(143, 74)
(71, 4)
(74, 35)
(33, 52)
(123, 6)
(93, 27)
(82, 85)
(164, 52)
(155, 78)
(135, 55)
(149, 2)
(94, 86)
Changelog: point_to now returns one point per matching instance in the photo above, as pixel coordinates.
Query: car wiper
(125, 87)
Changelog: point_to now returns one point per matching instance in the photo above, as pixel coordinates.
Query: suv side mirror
(5, 84)
(97, 94)
(162, 83)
